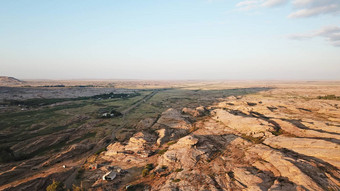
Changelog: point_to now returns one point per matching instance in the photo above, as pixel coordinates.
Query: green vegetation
(145, 172)
(86, 136)
(100, 151)
(77, 188)
(37, 102)
(135, 187)
(147, 169)
(171, 143)
(278, 132)
(179, 170)
(46, 120)
(149, 166)
(162, 151)
(113, 95)
(329, 97)
(176, 180)
(256, 140)
(152, 175)
(55, 186)
(42, 117)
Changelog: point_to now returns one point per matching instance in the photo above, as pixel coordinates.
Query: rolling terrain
(171, 136)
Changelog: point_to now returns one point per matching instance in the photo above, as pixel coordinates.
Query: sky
(170, 40)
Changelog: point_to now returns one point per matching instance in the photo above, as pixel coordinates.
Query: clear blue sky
(177, 39)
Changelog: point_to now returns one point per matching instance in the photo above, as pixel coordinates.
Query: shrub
(256, 140)
(55, 186)
(147, 169)
(139, 186)
(331, 97)
(171, 143)
(176, 180)
(145, 172)
(149, 166)
(278, 132)
(161, 152)
(100, 150)
(76, 188)
(152, 175)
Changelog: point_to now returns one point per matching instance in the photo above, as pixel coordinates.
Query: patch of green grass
(24, 119)
(86, 136)
(37, 102)
(162, 151)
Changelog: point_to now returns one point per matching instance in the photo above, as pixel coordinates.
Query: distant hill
(10, 81)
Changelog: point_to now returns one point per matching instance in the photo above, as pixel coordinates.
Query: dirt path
(146, 98)
(126, 111)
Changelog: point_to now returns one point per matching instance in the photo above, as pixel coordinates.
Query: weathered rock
(285, 166)
(198, 112)
(188, 111)
(145, 123)
(139, 144)
(185, 141)
(191, 181)
(181, 154)
(252, 178)
(244, 124)
(173, 119)
(169, 134)
(294, 130)
(114, 149)
(123, 134)
(325, 150)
